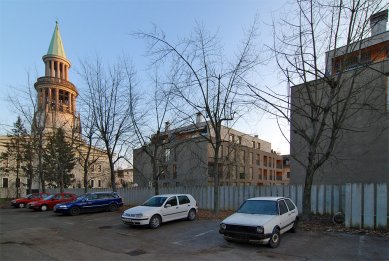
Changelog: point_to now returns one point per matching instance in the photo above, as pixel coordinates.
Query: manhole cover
(136, 252)
(105, 227)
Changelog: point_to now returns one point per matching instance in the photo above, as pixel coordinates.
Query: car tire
(155, 221)
(112, 207)
(295, 225)
(275, 238)
(21, 205)
(192, 215)
(74, 211)
(43, 208)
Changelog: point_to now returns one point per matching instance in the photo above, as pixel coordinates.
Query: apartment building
(187, 159)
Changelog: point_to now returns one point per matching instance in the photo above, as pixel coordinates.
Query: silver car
(160, 209)
(262, 220)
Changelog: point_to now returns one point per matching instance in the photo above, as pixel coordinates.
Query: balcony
(55, 81)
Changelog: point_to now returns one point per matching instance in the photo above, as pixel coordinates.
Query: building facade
(187, 159)
(57, 108)
(361, 152)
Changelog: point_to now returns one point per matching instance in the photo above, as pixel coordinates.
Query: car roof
(266, 198)
(170, 195)
(102, 192)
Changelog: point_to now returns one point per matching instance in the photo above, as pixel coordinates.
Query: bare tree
(331, 85)
(151, 126)
(204, 82)
(108, 98)
(24, 102)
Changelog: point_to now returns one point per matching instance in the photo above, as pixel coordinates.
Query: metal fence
(364, 205)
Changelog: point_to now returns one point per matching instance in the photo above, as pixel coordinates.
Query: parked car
(52, 200)
(261, 219)
(91, 202)
(160, 209)
(22, 202)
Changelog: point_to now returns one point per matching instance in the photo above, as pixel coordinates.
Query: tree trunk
(86, 175)
(307, 192)
(216, 206)
(155, 176)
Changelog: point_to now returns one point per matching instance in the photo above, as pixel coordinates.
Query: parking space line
(202, 234)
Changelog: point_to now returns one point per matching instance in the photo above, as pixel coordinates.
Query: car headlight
(139, 215)
(260, 229)
(223, 226)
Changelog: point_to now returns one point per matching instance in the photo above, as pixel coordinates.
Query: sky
(91, 28)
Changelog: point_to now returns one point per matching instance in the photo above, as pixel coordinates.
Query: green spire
(56, 46)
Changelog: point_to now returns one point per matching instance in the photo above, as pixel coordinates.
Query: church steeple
(56, 46)
(56, 94)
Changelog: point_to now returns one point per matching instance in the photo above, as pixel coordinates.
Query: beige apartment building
(187, 159)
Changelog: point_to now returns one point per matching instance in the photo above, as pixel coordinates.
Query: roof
(266, 198)
(56, 46)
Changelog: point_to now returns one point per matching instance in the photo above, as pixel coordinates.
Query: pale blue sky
(101, 27)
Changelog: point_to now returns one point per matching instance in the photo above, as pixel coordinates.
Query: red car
(51, 201)
(22, 202)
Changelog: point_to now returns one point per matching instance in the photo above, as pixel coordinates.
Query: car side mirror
(168, 206)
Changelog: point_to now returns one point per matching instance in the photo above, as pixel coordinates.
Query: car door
(285, 217)
(55, 200)
(170, 209)
(183, 206)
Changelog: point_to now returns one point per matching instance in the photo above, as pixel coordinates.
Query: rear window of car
(283, 208)
(183, 200)
(289, 204)
(107, 195)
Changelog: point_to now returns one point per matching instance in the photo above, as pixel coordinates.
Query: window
(258, 159)
(172, 201)
(183, 200)
(288, 174)
(92, 183)
(290, 204)
(99, 168)
(239, 140)
(254, 144)
(232, 138)
(241, 173)
(5, 182)
(99, 182)
(251, 176)
(167, 155)
(258, 145)
(282, 206)
(251, 160)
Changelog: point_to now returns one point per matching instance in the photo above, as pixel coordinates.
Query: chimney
(256, 136)
(198, 118)
(378, 22)
(167, 125)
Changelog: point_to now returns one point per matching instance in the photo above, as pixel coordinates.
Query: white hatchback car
(262, 220)
(160, 209)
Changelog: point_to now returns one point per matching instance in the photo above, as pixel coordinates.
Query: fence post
(347, 210)
(336, 199)
(313, 199)
(368, 206)
(382, 205)
(356, 205)
(321, 199)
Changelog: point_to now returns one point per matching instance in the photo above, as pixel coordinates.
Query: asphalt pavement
(31, 235)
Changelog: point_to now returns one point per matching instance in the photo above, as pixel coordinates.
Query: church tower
(56, 95)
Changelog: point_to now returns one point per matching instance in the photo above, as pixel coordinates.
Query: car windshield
(262, 207)
(155, 202)
(49, 197)
(28, 196)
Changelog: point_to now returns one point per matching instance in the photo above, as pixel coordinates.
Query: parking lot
(30, 235)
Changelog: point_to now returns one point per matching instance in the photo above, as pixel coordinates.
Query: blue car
(91, 202)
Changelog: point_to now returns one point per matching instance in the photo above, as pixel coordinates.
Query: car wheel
(294, 228)
(155, 221)
(74, 211)
(112, 207)
(275, 238)
(21, 205)
(43, 207)
(192, 215)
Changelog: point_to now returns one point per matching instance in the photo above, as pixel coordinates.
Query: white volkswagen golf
(160, 209)
(261, 219)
